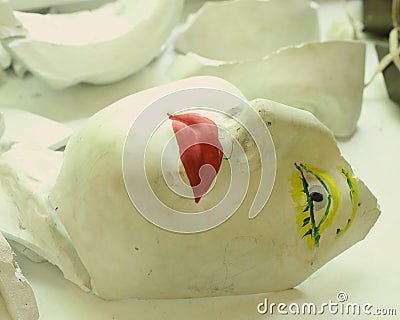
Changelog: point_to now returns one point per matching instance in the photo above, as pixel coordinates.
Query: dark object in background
(379, 20)
(391, 74)
(378, 17)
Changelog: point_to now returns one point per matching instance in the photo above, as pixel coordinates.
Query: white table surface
(369, 272)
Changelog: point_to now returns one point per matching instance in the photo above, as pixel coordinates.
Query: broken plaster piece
(15, 290)
(40, 4)
(28, 170)
(100, 46)
(5, 58)
(325, 78)
(24, 126)
(248, 29)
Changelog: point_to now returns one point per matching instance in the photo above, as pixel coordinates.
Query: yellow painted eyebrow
(352, 183)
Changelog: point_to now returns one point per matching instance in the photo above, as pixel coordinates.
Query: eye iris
(316, 197)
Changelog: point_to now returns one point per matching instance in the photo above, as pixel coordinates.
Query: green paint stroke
(352, 183)
(314, 229)
(230, 156)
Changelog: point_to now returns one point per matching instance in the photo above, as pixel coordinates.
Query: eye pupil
(316, 196)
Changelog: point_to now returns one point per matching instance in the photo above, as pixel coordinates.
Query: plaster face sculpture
(312, 210)
(326, 79)
(242, 29)
(100, 46)
(219, 197)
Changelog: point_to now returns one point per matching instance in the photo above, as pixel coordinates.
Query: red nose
(199, 148)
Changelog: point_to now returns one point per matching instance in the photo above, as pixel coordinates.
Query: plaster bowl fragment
(317, 209)
(325, 78)
(248, 29)
(100, 46)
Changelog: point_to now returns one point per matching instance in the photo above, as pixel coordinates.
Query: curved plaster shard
(248, 29)
(325, 78)
(317, 208)
(100, 46)
(15, 290)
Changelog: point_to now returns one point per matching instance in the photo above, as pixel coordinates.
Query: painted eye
(319, 196)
